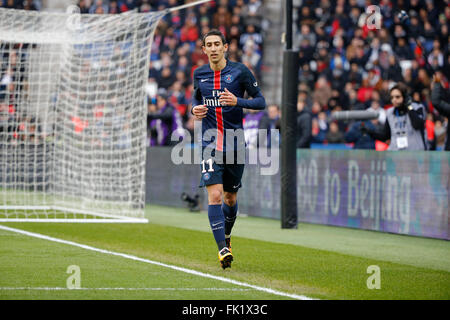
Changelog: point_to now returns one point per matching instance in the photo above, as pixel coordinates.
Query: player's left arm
(257, 101)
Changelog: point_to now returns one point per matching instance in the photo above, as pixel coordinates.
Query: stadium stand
(347, 65)
(176, 50)
(344, 63)
(12, 64)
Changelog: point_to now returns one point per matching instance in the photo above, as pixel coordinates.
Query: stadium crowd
(13, 122)
(348, 63)
(177, 52)
(345, 62)
(21, 4)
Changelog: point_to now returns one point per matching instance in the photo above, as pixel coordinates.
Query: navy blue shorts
(219, 172)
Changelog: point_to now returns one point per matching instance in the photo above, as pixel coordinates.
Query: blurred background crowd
(345, 62)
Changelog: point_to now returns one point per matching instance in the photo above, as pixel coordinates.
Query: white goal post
(73, 115)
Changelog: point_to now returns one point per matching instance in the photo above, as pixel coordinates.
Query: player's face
(215, 49)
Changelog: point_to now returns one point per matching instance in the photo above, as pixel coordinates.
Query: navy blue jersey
(208, 84)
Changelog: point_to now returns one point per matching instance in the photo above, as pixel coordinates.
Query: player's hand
(200, 111)
(227, 98)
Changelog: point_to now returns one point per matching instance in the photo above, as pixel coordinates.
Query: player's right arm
(250, 84)
(198, 110)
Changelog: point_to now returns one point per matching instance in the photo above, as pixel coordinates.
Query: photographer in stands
(405, 122)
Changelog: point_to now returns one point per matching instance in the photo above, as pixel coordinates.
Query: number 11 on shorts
(210, 163)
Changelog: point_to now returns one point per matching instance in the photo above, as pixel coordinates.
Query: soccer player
(218, 101)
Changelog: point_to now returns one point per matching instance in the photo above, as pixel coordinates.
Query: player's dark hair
(214, 32)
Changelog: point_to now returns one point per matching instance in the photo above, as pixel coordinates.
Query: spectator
(306, 16)
(7, 118)
(375, 106)
(129, 4)
(317, 133)
(198, 54)
(303, 95)
(222, 19)
(11, 4)
(402, 51)
(177, 98)
(251, 37)
(251, 57)
(84, 6)
(393, 72)
(440, 102)
(322, 91)
(304, 126)
(440, 134)
(163, 120)
(114, 7)
(306, 76)
(355, 74)
(334, 135)
(436, 58)
(429, 132)
(189, 32)
(99, 7)
(29, 5)
(306, 33)
(253, 12)
(357, 134)
(166, 78)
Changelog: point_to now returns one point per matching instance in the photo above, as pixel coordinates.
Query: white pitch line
(131, 257)
(120, 289)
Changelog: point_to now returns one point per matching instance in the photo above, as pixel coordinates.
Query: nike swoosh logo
(203, 80)
(234, 187)
(215, 224)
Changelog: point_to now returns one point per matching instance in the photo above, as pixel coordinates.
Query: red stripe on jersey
(219, 118)
(219, 139)
(217, 80)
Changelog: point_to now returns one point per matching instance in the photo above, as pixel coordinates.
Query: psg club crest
(229, 78)
(206, 176)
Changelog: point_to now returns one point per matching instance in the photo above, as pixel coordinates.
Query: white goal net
(73, 115)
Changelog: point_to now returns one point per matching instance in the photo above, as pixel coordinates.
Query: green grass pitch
(315, 261)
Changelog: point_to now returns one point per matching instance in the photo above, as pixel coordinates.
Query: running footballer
(218, 101)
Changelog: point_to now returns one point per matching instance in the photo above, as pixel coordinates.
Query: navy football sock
(217, 221)
(230, 216)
